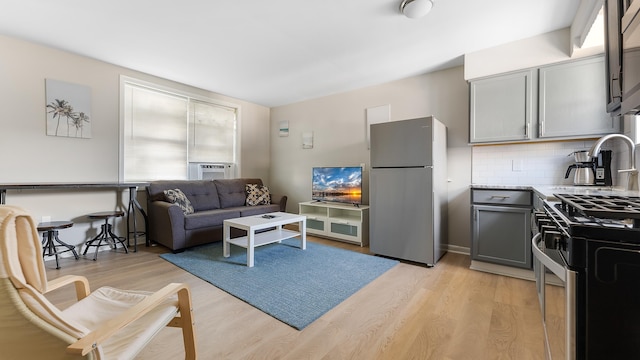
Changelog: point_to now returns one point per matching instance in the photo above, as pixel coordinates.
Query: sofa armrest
(166, 224)
(283, 203)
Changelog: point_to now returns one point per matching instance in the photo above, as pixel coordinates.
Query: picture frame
(68, 109)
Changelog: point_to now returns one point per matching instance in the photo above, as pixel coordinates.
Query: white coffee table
(259, 222)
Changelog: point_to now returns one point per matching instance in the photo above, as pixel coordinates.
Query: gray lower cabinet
(502, 227)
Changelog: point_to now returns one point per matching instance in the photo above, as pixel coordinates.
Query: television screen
(337, 184)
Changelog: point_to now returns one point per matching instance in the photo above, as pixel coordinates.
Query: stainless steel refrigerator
(408, 190)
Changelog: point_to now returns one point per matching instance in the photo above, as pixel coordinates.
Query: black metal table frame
(132, 207)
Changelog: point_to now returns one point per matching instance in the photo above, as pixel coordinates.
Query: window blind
(213, 133)
(163, 131)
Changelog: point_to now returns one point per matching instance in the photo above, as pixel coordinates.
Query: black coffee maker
(603, 168)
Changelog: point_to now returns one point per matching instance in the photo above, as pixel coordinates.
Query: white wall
(536, 51)
(338, 125)
(29, 155)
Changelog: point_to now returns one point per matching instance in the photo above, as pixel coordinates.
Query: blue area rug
(292, 285)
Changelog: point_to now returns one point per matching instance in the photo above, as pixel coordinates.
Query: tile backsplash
(546, 163)
(543, 163)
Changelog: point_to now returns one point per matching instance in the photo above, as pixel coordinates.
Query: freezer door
(402, 143)
(402, 214)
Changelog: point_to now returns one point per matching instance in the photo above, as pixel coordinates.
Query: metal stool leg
(117, 239)
(101, 236)
(51, 243)
(62, 243)
(106, 235)
(49, 248)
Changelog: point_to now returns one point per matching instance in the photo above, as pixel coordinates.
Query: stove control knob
(539, 219)
(552, 239)
(544, 228)
(539, 216)
(562, 243)
(545, 222)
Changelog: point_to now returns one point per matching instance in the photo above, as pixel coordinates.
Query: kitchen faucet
(632, 183)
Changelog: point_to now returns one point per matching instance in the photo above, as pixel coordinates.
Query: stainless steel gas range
(590, 246)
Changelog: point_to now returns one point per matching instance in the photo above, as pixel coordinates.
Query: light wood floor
(410, 312)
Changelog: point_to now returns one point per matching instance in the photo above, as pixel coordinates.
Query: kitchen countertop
(547, 191)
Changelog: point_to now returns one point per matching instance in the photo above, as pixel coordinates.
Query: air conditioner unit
(211, 171)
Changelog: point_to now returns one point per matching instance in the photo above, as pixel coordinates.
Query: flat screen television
(337, 184)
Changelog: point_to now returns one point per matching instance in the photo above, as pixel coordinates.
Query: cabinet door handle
(541, 128)
(503, 197)
(615, 91)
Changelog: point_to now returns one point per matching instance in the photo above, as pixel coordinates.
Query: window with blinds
(164, 130)
(213, 132)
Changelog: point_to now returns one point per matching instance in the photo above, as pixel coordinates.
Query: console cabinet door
(501, 107)
(572, 100)
(502, 235)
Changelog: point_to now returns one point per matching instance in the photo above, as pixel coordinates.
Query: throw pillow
(257, 195)
(176, 196)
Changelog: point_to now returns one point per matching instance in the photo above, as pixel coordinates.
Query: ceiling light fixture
(414, 9)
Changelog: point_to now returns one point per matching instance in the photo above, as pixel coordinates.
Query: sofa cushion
(257, 195)
(209, 218)
(232, 191)
(202, 193)
(176, 196)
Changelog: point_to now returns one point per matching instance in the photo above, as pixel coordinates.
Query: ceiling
(279, 52)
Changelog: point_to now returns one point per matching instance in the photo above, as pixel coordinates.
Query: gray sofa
(213, 202)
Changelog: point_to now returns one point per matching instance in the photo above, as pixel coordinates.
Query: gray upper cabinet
(561, 101)
(572, 100)
(501, 107)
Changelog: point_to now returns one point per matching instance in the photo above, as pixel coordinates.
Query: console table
(337, 221)
(132, 207)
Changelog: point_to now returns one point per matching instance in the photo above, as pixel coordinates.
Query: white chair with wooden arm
(104, 324)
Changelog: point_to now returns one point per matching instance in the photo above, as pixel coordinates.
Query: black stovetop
(600, 217)
(602, 206)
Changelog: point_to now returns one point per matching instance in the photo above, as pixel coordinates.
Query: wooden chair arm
(81, 283)
(93, 339)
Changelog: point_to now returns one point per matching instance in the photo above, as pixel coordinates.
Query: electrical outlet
(46, 218)
(516, 165)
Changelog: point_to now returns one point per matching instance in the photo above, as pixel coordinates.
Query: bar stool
(50, 238)
(105, 234)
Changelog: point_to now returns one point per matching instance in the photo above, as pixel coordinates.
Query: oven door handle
(558, 269)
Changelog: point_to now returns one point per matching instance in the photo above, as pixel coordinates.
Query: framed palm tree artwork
(68, 109)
